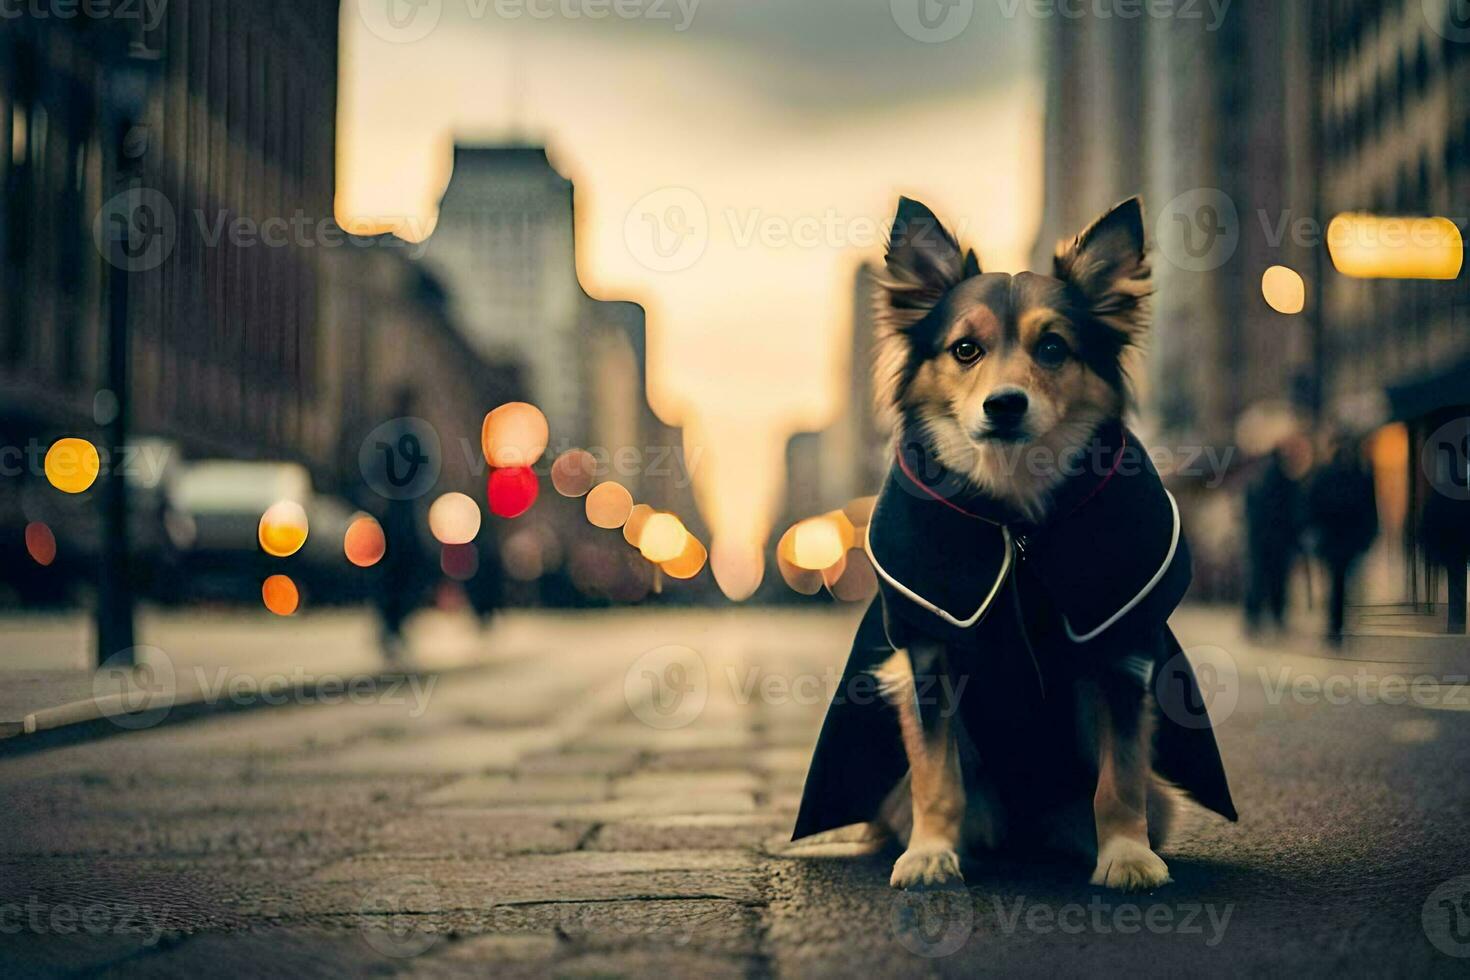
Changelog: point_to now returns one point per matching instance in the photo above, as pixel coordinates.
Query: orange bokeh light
(364, 544)
(637, 520)
(515, 434)
(817, 544)
(281, 595)
(40, 543)
(609, 506)
(690, 562)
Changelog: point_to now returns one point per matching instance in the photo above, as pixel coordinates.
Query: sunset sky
(781, 131)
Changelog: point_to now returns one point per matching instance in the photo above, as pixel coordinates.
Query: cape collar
(921, 472)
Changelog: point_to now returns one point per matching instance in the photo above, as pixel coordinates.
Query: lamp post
(127, 227)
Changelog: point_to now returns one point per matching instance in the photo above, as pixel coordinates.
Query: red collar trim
(930, 491)
(1117, 461)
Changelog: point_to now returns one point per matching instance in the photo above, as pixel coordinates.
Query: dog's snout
(1007, 405)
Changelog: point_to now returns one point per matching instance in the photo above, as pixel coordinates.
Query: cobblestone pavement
(612, 800)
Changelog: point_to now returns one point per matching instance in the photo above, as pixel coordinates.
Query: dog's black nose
(1007, 406)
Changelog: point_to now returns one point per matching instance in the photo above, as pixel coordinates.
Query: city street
(612, 794)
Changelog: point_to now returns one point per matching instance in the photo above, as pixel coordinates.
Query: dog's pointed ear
(924, 262)
(972, 264)
(1108, 265)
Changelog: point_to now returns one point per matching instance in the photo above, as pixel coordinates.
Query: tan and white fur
(993, 371)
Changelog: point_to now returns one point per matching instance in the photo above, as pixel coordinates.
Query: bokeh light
(817, 544)
(364, 544)
(459, 561)
(513, 491)
(513, 435)
(72, 465)
(637, 521)
(40, 543)
(1284, 289)
(690, 562)
(857, 583)
(281, 595)
(454, 519)
(574, 472)
(283, 529)
(609, 506)
(524, 555)
(1368, 246)
(663, 538)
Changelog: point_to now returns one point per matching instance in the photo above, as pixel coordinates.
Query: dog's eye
(967, 352)
(1052, 351)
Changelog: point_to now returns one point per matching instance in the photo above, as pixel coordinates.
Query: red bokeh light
(513, 491)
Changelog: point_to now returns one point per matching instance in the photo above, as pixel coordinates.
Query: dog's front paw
(927, 865)
(1129, 866)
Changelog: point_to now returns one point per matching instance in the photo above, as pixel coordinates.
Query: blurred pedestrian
(403, 578)
(1444, 528)
(1273, 516)
(1342, 513)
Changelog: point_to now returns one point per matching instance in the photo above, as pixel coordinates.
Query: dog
(1029, 692)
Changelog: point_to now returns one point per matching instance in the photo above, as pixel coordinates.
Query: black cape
(1024, 611)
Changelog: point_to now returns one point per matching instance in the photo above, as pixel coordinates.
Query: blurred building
(237, 102)
(505, 247)
(257, 328)
(1247, 137)
(850, 458)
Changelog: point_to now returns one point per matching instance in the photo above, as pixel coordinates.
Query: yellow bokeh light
(515, 434)
(454, 519)
(281, 595)
(609, 505)
(817, 544)
(283, 529)
(364, 543)
(1366, 246)
(72, 465)
(1284, 289)
(663, 538)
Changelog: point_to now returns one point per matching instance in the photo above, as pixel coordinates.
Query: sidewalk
(205, 659)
